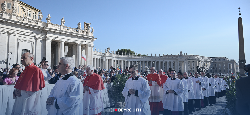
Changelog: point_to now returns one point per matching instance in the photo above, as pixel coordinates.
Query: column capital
(11, 32)
(61, 40)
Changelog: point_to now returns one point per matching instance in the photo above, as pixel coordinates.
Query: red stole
(154, 77)
(31, 79)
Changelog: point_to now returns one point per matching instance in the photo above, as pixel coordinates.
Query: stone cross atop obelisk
(242, 60)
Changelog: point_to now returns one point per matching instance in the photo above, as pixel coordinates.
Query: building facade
(23, 30)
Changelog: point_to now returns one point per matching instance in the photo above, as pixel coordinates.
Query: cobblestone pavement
(219, 108)
(216, 109)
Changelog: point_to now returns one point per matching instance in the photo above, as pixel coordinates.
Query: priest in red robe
(92, 99)
(154, 81)
(28, 89)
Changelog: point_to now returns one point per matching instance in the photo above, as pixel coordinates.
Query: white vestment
(29, 103)
(224, 85)
(93, 103)
(69, 95)
(205, 85)
(211, 90)
(218, 84)
(190, 88)
(172, 101)
(185, 90)
(155, 95)
(197, 88)
(137, 102)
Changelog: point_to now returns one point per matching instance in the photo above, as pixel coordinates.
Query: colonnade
(158, 64)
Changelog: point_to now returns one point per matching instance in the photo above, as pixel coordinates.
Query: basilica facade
(21, 29)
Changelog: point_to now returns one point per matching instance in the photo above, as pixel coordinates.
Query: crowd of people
(173, 93)
(75, 88)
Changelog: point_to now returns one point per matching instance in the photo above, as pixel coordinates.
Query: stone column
(151, 64)
(62, 49)
(94, 63)
(48, 50)
(178, 69)
(128, 63)
(3, 47)
(89, 49)
(122, 65)
(106, 64)
(140, 67)
(125, 64)
(159, 62)
(163, 65)
(112, 62)
(79, 55)
(167, 65)
(185, 66)
(38, 48)
(12, 50)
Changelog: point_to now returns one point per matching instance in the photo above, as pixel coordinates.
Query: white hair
(90, 67)
(70, 61)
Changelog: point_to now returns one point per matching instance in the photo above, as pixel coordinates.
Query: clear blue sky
(202, 27)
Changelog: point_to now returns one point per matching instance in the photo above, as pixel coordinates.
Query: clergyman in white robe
(68, 93)
(197, 86)
(139, 100)
(173, 100)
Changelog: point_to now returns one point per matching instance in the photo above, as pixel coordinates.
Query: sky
(196, 27)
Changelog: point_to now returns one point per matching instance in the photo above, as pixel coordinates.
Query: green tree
(125, 52)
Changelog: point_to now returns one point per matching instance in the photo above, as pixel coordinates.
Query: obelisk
(242, 60)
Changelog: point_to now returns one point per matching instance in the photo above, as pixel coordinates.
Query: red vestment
(163, 79)
(154, 106)
(94, 81)
(31, 79)
(154, 77)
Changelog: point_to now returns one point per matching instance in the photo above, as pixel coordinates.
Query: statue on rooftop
(79, 25)
(14, 9)
(48, 18)
(40, 16)
(62, 21)
(4, 6)
(92, 31)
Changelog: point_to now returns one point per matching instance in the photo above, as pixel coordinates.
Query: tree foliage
(125, 52)
(117, 88)
(231, 95)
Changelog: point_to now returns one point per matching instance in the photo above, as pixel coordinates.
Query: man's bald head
(27, 59)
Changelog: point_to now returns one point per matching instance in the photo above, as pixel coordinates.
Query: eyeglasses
(47, 64)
